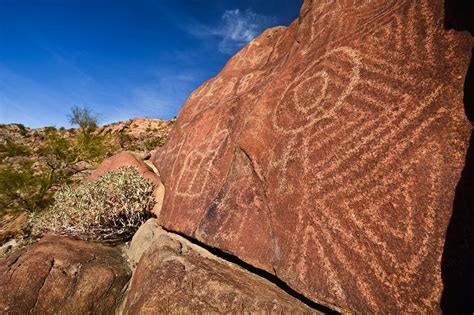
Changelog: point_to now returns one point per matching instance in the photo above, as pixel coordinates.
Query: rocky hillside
(328, 167)
(34, 163)
(139, 134)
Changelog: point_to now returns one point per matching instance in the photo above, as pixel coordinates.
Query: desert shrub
(88, 146)
(84, 118)
(10, 149)
(22, 129)
(22, 188)
(109, 209)
(28, 183)
(50, 128)
(154, 143)
(56, 146)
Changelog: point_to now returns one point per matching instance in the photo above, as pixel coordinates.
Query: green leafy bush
(109, 209)
(57, 147)
(29, 182)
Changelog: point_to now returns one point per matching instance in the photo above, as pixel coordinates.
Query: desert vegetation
(30, 175)
(37, 163)
(109, 209)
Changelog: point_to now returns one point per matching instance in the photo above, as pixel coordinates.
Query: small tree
(84, 118)
(89, 147)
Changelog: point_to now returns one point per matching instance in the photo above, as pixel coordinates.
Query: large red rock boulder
(58, 275)
(124, 159)
(176, 277)
(328, 153)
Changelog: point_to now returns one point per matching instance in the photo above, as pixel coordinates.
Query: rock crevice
(190, 276)
(228, 257)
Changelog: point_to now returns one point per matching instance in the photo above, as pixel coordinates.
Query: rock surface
(12, 225)
(174, 276)
(62, 276)
(124, 159)
(328, 153)
(146, 235)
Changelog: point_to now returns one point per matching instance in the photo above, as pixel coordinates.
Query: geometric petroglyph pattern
(375, 137)
(327, 153)
(190, 183)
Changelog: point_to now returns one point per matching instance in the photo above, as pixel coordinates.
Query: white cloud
(236, 29)
(159, 98)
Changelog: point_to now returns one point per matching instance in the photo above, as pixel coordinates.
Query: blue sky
(122, 59)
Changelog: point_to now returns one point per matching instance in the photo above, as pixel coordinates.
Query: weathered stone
(124, 159)
(9, 246)
(175, 276)
(58, 275)
(11, 225)
(146, 235)
(328, 153)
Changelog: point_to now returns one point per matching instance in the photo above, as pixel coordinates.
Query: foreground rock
(174, 276)
(60, 275)
(328, 153)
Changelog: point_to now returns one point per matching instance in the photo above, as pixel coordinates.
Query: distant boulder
(124, 159)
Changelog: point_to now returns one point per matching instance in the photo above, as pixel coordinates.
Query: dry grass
(110, 209)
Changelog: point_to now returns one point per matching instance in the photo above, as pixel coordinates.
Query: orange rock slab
(328, 153)
(123, 159)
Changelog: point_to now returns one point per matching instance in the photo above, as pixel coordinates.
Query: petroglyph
(194, 174)
(355, 136)
(316, 97)
(248, 81)
(254, 55)
(208, 96)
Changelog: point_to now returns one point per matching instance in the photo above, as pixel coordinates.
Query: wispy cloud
(156, 99)
(235, 29)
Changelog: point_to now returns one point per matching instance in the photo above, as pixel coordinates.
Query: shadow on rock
(458, 256)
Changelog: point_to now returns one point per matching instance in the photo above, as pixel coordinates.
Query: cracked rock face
(328, 153)
(173, 277)
(58, 275)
